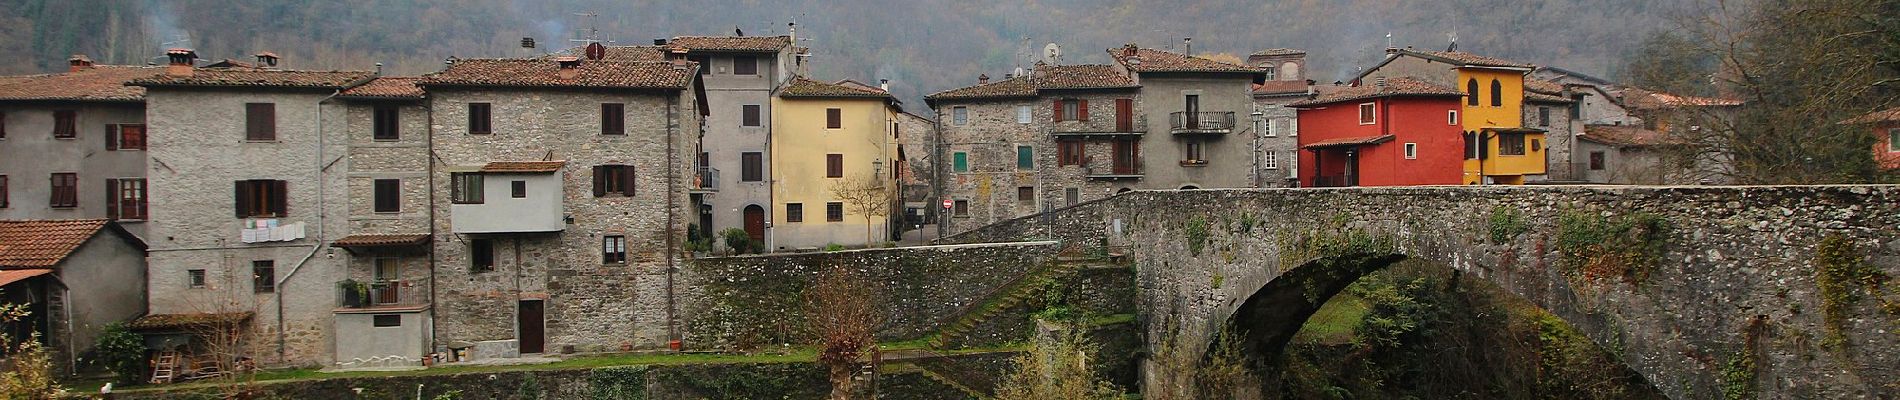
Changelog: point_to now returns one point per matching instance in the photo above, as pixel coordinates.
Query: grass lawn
(1335, 321)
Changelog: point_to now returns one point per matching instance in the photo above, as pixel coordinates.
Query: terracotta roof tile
(1625, 136)
(732, 43)
(524, 166)
(804, 87)
(626, 53)
(98, 83)
(174, 321)
(546, 73)
(1468, 59)
(381, 240)
(1892, 114)
(1008, 88)
(1351, 141)
(1280, 87)
(1153, 60)
(1087, 76)
(1544, 87)
(1393, 87)
(390, 87)
(244, 77)
(8, 277)
(43, 243)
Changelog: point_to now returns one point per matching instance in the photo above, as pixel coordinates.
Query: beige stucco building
(833, 164)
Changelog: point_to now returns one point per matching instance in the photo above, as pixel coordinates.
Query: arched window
(1497, 93)
(1471, 92)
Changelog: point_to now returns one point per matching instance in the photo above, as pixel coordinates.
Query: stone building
(247, 182)
(1278, 128)
(735, 166)
(917, 153)
(1552, 107)
(72, 145)
(1066, 134)
(835, 149)
(384, 318)
(562, 190)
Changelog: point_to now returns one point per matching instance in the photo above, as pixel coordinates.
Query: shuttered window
(260, 121)
(613, 119)
(261, 198)
(745, 65)
(1497, 93)
(388, 193)
(749, 115)
(387, 123)
(1025, 158)
(960, 162)
(751, 166)
(834, 165)
(1070, 152)
(834, 118)
(65, 190)
(65, 124)
(1471, 92)
(3, 125)
(130, 137)
(3, 192)
(613, 180)
(479, 122)
(125, 199)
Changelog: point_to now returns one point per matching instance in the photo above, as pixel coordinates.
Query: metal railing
(1201, 122)
(705, 179)
(381, 294)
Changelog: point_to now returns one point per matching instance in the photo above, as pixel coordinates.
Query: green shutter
(961, 162)
(1025, 158)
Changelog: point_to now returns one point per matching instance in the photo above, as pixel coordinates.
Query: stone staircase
(953, 383)
(1009, 297)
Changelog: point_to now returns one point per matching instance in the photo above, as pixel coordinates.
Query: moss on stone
(1597, 247)
(1196, 231)
(1505, 224)
(1841, 272)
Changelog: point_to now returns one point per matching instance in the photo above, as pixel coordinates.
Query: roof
(97, 83)
(805, 87)
(245, 77)
(626, 53)
(43, 243)
(1280, 87)
(8, 277)
(523, 166)
(1624, 136)
(1279, 52)
(1020, 86)
(1086, 76)
(388, 87)
(732, 43)
(1534, 97)
(382, 240)
(1670, 100)
(514, 72)
(1544, 87)
(1892, 114)
(1351, 141)
(1574, 74)
(1393, 87)
(171, 321)
(1153, 60)
(1466, 59)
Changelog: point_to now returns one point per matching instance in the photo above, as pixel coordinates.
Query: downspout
(937, 170)
(282, 348)
(428, 109)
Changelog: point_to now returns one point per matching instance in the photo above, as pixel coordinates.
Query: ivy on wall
(1597, 247)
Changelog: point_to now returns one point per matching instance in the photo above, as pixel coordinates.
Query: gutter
(282, 347)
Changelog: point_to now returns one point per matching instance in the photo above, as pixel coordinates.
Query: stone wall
(1732, 275)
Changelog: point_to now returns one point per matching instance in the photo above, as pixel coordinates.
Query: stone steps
(953, 383)
(1017, 294)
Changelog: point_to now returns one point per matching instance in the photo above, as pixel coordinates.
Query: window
(3, 191)
(1893, 143)
(1072, 110)
(260, 198)
(481, 255)
(465, 188)
(1292, 127)
(1596, 161)
(834, 165)
(960, 162)
(1270, 73)
(1026, 195)
(3, 125)
(751, 166)
(745, 65)
(1366, 114)
(749, 115)
(1022, 114)
(387, 125)
(518, 189)
(794, 212)
(613, 180)
(1510, 144)
(613, 249)
(1025, 158)
(613, 119)
(1543, 116)
(1071, 152)
(1195, 153)
(1497, 93)
(1471, 92)
(959, 115)
(1411, 151)
(260, 121)
(479, 121)
(65, 190)
(1270, 159)
(834, 118)
(1266, 127)
(1472, 146)
(960, 208)
(386, 320)
(125, 198)
(65, 124)
(263, 276)
(388, 269)
(125, 137)
(195, 278)
(1451, 117)
(1071, 196)
(388, 193)
(834, 211)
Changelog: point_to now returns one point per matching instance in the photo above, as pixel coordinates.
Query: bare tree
(866, 196)
(841, 310)
(26, 370)
(1057, 368)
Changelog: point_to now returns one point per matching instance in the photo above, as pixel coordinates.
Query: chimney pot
(570, 67)
(884, 85)
(182, 61)
(267, 59)
(78, 62)
(982, 79)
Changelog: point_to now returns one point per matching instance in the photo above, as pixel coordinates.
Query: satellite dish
(1051, 54)
(596, 52)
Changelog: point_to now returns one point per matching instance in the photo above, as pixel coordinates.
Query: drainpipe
(937, 170)
(429, 157)
(282, 352)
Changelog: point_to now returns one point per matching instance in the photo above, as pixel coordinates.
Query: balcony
(1188, 123)
(379, 296)
(1132, 127)
(1129, 169)
(705, 180)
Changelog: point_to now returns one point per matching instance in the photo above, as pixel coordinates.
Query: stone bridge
(1677, 281)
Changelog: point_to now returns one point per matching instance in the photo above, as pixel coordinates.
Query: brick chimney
(678, 57)
(78, 62)
(266, 60)
(182, 61)
(983, 79)
(570, 67)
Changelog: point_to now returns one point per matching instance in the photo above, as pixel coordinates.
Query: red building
(1886, 129)
(1394, 133)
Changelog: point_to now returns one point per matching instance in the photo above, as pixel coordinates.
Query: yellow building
(1499, 148)
(833, 149)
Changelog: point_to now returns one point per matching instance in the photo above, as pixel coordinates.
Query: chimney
(983, 79)
(182, 61)
(266, 60)
(678, 57)
(1128, 50)
(659, 42)
(78, 62)
(570, 67)
(884, 84)
(1187, 44)
(791, 29)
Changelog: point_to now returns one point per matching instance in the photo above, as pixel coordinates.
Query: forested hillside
(921, 46)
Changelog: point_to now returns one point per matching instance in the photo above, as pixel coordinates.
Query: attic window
(745, 65)
(1269, 71)
(65, 124)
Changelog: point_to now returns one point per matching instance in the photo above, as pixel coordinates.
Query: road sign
(946, 204)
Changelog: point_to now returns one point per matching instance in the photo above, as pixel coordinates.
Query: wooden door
(532, 333)
(755, 222)
(1193, 111)
(1127, 155)
(1124, 115)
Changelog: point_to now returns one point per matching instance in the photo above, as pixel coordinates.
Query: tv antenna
(589, 31)
(1052, 54)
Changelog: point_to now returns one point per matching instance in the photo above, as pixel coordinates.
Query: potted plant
(355, 294)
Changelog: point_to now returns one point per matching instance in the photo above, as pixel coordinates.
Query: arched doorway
(755, 222)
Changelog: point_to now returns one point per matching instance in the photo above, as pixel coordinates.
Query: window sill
(261, 141)
(65, 138)
(386, 140)
(63, 208)
(1194, 163)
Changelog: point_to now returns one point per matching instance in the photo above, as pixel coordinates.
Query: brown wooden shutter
(112, 199)
(280, 198)
(626, 180)
(243, 194)
(260, 120)
(834, 165)
(1082, 110)
(600, 180)
(1058, 111)
(112, 137)
(612, 119)
(834, 118)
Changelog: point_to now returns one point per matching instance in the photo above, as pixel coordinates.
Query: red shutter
(112, 199)
(243, 194)
(112, 137)
(280, 198)
(1058, 111)
(1082, 110)
(626, 180)
(600, 181)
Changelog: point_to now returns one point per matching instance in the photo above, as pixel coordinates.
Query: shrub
(122, 353)
(739, 241)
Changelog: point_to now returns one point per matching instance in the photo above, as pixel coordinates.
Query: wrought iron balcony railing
(1182, 122)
